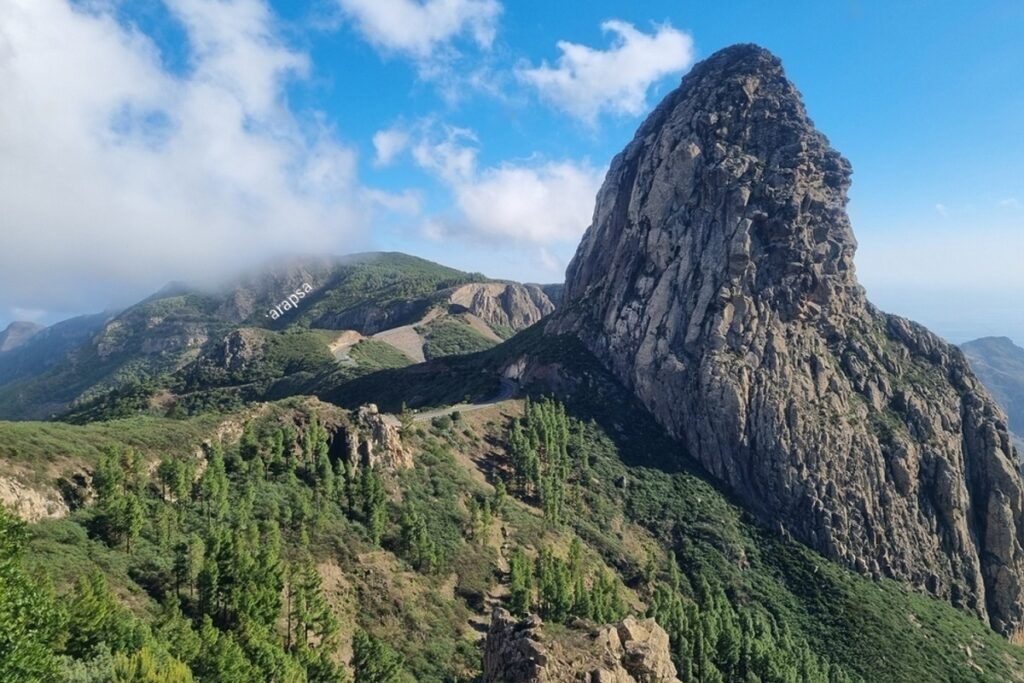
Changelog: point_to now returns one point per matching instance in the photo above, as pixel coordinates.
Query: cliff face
(717, 282)
(504, 304)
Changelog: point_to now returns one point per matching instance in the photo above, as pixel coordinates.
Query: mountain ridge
(17, 334)
(221, 345)
(999, 363)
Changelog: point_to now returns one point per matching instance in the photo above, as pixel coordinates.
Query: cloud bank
(122, 173)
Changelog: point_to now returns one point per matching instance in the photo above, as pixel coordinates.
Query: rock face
(29, 503)
(374, 441)
(239, 349)
(717, 282)
(509, 305)
(631, 652)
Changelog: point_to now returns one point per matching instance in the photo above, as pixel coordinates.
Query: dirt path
(498, 592)
(342, 344)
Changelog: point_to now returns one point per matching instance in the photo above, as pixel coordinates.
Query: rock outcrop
(503, 305)
(31, 503)
(633, 651)
(717, 282)
(373, 440)
(239, 349)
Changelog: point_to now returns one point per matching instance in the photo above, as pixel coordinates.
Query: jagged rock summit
(717, 282)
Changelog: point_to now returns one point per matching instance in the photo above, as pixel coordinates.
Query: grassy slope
(425, 616)
(452, 337)
(877, 630)
(383, 281)
(41, 441)
(880, 630)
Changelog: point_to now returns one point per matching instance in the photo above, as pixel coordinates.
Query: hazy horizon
(956, 315)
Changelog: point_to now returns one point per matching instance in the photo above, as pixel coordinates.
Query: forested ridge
(278, 557)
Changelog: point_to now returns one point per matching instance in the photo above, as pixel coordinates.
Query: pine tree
(208, 584)
(374, 503)
(129, 516)
(500, 497)
(95, 619)
(417, 542)
(220, 658)
(520, 583)
(312, 618)
(149, 666)
(175, 632)
(262, 601)
(30, 619)
(214, 485)
(373, 661)
(407, 421)
(189, 562)
(554, 584)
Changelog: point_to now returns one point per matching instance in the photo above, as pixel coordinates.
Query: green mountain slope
(415, 556)
(271, 333)
(623, 491)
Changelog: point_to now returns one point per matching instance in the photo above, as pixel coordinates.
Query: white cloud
(1009, 203)
(119, 173)
(453, 159)
(941, 209)
(28, 314)
(547, 203)
(409, 202)
(587, 81)
(389, 144)
(540, 202)
(419, 27)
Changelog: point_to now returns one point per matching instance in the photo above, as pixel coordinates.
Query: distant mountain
(999, 363)
(48, 347)
(17, 334)
(292, 325)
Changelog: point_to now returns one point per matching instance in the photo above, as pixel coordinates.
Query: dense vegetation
(380, 282)
(451, 337)
(275, 558)
(713, 640)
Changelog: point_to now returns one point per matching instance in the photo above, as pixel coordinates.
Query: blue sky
(183, 139)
